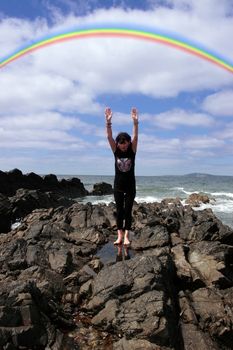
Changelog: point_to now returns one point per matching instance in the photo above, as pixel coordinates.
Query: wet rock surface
(173, 289)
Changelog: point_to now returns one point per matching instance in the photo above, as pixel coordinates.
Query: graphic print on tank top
(124, 164)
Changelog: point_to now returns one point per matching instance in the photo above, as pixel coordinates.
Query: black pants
(124, 205)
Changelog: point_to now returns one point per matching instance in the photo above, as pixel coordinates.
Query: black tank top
(124, 170)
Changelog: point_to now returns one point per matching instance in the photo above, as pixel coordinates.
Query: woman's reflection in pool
(122, 253)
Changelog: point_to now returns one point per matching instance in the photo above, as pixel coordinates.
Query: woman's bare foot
(119, 237)
(126, 238)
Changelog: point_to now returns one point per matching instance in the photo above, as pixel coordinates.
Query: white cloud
(121, 118)
(40, 139)
(47, 121)
(172, 119)
(226, 132)
(46, 131)
(17, 32)
(203, 142)
(185, 148)
(34, 91)
(158, 146)
(207, 8)
(220, 103)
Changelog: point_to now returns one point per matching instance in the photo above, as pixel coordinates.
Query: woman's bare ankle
(119, 237)
(126, 238)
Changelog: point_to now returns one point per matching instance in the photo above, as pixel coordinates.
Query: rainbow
(122, 32)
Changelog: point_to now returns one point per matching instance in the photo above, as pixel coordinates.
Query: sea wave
(147, 199)
(222, 194)
(212, 194)
(184, 191)
(222, 206)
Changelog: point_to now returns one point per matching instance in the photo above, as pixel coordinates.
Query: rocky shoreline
(20, 194)
(173, 289)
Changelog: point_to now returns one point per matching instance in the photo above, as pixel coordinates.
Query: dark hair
(122, 137)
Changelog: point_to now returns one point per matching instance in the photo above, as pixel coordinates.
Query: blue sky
(52, 101)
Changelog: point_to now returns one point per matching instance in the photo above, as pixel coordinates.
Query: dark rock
(50, 181)
(213, 314)
(150, 237)
(72, 188)
(11, 181)
(25, 201)
(34, 181)
(192, 333)
(209, 259)
(5, 214)
(174, 292)
(101, 188)
(133, 300)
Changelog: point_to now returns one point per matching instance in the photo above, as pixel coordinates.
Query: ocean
(156, 188)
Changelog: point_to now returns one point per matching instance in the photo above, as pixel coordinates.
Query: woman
(124, 150)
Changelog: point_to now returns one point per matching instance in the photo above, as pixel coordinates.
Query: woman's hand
(108, 114)
(134, 115)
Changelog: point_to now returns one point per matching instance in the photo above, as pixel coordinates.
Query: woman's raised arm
(108, 116)
(134, 115)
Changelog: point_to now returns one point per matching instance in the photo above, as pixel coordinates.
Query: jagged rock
(192, 334)
(175, 292)
(185, 273)
(130, 297)
(150, 237)
(209, 259)
(203, 225)
(25, 201)
(216, 319)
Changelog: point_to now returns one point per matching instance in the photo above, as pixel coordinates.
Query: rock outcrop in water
(58, 292)
(13, 180)
(196, 199)
(101, 188)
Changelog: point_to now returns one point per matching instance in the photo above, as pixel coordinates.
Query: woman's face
(123, 146)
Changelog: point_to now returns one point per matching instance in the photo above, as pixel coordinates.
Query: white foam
(221, 206)
(222, 194)
(186, 192)
(147, 199)
(15, 225)
(102, 201)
